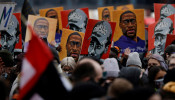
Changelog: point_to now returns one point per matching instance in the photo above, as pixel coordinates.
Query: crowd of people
(124, 75)
(130, 77)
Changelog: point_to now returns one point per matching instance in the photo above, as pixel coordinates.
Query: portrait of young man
(128, 25)
(100, 39)
(162, 28)
(73, 45)
(10, 37)
(77, 20)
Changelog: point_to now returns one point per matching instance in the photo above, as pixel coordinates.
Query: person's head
(170, 49)
(166, 11)
(171, 62)
(73, 45)
(77, 20)
(169, 76)
(53, 14)
(68, 64)
(156, 60)
(132, 74)
(119, 87)
(111, 68)
(106, 14)
(156, 75)
(10, 37)
(41, 27)
(134, 60)
(164, 27)
(168, 91)
(100, 39)
(86, 70)
(128, 24)
(114, 52)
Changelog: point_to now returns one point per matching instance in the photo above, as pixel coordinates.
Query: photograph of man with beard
(129, 39)
(73, 45)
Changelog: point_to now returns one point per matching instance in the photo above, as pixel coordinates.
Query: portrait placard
(43, 26)
(105, 13)
(71, 42)
(163, 10)
(157, 34)
(6, 11)
(130, 30)
(170, 39)
(18, 46)
(125, 7)
(75, 19)
(57, 10)
(11, 39)
(98, 38)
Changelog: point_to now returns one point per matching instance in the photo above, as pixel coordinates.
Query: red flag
(39, 78)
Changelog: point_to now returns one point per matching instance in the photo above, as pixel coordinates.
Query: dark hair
(7, 58)
(104, 10)
(3, 90)
(153, 72)
(49, 11)
(38, 20)
(83, 70)
(169, 76)
(128, 11)
(170, 50)
(74, 33)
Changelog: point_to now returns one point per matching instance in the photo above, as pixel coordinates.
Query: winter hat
(111, 67)
(160, 59)
(134, 59)
(69, 61)
(132, 74)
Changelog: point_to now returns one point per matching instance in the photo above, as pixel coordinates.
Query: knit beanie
(134, 59)
(160, 59)
(69, 61)
(111, 67)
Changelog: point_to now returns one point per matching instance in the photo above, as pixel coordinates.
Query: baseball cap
(13, 25)
(77, 17)
(101, 31)
(166, 10)
(164, 26)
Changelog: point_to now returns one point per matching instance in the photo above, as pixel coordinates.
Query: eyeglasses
(133, 21)
(45, 27)
(72, 43)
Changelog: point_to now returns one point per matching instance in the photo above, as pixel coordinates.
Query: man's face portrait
(163, 28)
(100, 38)
(41, 27)
(128, 24)
(73, 45)
(106, 15)
(52, 14)
(77, 20)
(10, 37)
(166, 11)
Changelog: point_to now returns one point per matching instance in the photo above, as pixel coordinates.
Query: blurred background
(91, 4)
